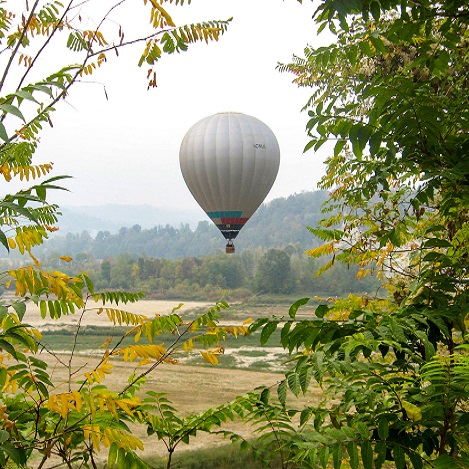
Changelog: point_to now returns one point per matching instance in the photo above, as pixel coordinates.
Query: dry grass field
(192, 389)
(93, 318)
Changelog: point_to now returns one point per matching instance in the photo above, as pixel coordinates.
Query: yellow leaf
(78, 402)
(66, 258)
(209, 357)
(96, 436)
(188, 345)
(111, 405)
(63, 405)
(328, 248)
(86, 431)
(11, 243)
(412, 411)
(106, 343)
(124, 407)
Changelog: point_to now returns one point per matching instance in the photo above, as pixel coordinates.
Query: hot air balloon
(229, 162)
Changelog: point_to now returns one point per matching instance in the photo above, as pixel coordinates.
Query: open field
(192, 389)
(93, 318)
(236, 314)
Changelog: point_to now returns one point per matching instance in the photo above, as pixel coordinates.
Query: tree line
(281, 222)
(252, 272)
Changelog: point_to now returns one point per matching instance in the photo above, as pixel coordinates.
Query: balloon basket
(230, 249)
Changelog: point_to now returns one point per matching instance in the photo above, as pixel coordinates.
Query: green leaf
(375, 142)
(324, 456)
(3, 133)
(121, 458)
(5, 206)
(265, 395)
(399, 457)
(416, 460)
(321, 311)
(267, 331)
(352, 450)
(383, 427)
(367, 454)
(305, 375)
(4, 435)
(26, 95)
(364, 133)
(282, 392)
(4, 240)
(112, 455)
(437, 243)
(337, 455)
(3, 375)
(41, 192)
(10, 109)
(20, 308)
(8, 348)
(294, 383)
(18, 456)
(295, 306)
(43, 309)
(375, 10)
(381, 450)
(351, 53)
(378, 43)
(309, 145)
(306, 415)
(339, 146)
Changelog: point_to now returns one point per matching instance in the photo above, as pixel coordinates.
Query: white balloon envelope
(229, 162)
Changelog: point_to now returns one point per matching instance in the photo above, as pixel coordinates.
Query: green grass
(220, 457)
(93, 336)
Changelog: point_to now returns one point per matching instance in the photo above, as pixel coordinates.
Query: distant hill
(142, 230)
(112, 217)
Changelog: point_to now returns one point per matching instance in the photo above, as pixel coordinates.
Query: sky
(124, 148)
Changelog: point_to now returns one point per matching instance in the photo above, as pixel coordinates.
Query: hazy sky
(126, 149)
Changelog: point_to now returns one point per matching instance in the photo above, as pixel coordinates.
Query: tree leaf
(321, 311)
(112, 455)
(282, 392)
(367, 454)
(337, 455)
(383, 427)
(20, 308)
(9, 108)
(294, 383)
(3, 133)
(267, 331)
(399, 457)
(4, 240)
(352, 450)
(295, 306)
(413, 412)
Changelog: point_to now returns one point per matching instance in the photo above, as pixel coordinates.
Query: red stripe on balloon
(234, 221)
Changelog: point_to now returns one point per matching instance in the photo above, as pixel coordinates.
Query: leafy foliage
(392, 373)
(40, 418)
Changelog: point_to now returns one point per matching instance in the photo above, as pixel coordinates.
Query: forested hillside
(275, 225)
(168, 262)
